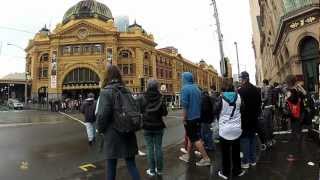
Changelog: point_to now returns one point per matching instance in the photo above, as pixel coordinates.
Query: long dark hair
(113, 74)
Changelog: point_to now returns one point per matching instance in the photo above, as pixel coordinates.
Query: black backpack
(126, 115)
(207, 114)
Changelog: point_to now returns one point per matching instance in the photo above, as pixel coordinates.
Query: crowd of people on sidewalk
(238, 113)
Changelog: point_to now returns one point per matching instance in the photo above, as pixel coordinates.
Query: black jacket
(117, 145)
(88, 108)
(250, 108)
(153, 108)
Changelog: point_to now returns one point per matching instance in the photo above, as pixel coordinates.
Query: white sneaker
(150, 173)
(141, 153)
(245, 166)
(184, 158)
(253, 164)
(222, 176)
(204, 162)
(242, 173)
(197, 153)
(183, 150)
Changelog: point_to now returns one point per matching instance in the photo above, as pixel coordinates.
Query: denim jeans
(154, 149)
(248, 147)
(112, 169)
(207, 136)
(91, 130)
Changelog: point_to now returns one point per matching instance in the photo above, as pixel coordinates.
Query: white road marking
(27, 124)
(289, 132)
(73, 118)
(76, 119)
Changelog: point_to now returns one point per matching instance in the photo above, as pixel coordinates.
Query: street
(44, 145)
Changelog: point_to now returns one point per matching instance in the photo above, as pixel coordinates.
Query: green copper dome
(87, 9)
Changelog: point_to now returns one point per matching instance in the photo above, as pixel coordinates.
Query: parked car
(15, 104)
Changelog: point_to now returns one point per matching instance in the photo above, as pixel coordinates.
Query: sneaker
(184, 158)
(253, 164)
(141, 153)
(241, 173)
(197, 153)
(150, 173)
(183, 150)
(204, 162)
(222, 176)
(245, 166)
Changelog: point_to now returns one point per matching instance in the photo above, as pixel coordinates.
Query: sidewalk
(272, 165)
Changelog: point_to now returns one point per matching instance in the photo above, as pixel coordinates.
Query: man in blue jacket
(191, 103)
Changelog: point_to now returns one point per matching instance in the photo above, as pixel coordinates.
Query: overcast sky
(186, 24)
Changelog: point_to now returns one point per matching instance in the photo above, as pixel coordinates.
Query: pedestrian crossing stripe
(85, 167)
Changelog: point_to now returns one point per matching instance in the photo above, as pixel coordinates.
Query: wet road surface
(272, 165)
(39, 145)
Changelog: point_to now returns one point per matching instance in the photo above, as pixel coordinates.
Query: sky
(188, 25)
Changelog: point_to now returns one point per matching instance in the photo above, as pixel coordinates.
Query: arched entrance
(310, 57)
(79, 82)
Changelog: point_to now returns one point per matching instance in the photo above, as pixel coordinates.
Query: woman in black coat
(117, 145)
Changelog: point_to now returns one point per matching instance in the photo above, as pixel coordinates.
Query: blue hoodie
(190, 97)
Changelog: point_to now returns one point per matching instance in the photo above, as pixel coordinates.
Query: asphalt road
(43, 145)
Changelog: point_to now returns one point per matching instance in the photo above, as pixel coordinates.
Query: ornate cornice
(295, 20)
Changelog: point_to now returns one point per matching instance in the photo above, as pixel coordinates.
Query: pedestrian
(207, 118)
(119, 145)
(228, 108)
(266, 125)
(250, 110)
(294, 109)
(153, 108)
(191, 102)
(88, 109)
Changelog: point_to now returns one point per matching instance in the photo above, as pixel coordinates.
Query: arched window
(44, 57)
(81, 76)
(125, 54)
(309, 54)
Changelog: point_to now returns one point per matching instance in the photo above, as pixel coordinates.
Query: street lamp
(26, 75)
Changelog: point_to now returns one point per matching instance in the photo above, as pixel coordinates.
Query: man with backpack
(207, 118)
(88, 108)
(294, 106)
(191, 103)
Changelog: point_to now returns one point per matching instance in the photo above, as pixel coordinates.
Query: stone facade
(286, 27)
(74, 57)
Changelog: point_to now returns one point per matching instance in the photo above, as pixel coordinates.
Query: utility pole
(220, 37)
(236, 44)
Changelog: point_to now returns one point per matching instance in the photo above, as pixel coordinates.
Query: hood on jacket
(187, 78)
(153, 96)
(231, 97)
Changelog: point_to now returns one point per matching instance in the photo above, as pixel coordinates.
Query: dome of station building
(88, 9)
